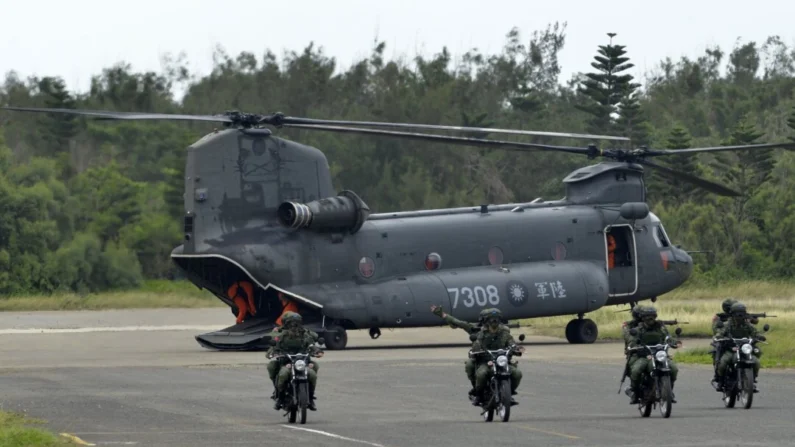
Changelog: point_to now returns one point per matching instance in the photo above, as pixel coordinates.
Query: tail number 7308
(478, 294)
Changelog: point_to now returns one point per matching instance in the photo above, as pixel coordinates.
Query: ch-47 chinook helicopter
(262, 209)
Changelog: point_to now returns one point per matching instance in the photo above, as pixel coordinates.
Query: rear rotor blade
(102, 115)
(477, 142)
(292, 120)
(698, 181)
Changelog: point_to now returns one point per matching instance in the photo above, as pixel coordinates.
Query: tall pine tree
(675, 191)
(754, 166)
(59, 128)
(632, 121)
(606, 88)
(791, 124)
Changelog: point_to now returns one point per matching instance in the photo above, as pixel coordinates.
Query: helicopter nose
(684, 263)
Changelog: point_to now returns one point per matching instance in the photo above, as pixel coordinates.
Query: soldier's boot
(275, 390)
(756, 388)
(476, 397)
(673, 395)
(311, 405)
(279, 401)
(634, 393)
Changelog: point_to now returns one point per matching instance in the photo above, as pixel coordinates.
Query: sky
(77, 39)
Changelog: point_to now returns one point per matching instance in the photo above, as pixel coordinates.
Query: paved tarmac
(143, 383)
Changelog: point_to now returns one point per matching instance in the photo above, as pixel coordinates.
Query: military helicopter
(262, 209)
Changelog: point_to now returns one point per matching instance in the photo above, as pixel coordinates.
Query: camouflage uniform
(469, 365)
(737, 327)
(488, 340)
(292, 338)
(650, 332)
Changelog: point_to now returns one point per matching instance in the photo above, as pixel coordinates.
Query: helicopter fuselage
(262, 209)
(529, 261)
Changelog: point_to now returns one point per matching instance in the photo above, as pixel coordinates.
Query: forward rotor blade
(292, 120)
(102, 115)
(477, 142)
(658, 152)
(698, 181)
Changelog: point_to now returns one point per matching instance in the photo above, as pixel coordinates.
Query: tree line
(91, 206)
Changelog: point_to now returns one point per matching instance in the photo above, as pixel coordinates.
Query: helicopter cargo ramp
(253, 335)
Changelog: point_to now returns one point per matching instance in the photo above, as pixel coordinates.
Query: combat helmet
(727, 305)
(637, 312)
(648, 312)
(292, 317)
(738, 309)
(491, 313)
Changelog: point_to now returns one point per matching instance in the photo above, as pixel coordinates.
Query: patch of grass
(697, 306)
(153, 294)
(16, 431)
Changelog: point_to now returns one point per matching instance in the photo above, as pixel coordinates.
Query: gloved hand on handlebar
(761, 337)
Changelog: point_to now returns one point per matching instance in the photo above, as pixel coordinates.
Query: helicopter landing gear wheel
(336, 338)
(581, 331)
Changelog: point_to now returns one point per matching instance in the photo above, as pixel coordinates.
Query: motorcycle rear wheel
(730, 396)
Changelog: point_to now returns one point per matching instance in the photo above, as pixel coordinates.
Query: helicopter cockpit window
(661, 237)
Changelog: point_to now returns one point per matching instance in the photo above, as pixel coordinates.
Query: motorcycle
(656, 388)
(296, 395)
(497, 395)
(739, 378)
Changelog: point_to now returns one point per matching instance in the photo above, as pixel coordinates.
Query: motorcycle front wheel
(505, 400)
(746, 383)
(303, 399)
(666, 396)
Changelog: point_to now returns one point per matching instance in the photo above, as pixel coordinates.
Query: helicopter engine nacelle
(345, 212)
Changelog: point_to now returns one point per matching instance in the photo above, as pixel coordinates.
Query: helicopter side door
(621, 255)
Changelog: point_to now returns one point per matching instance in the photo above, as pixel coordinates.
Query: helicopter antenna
(631, 156)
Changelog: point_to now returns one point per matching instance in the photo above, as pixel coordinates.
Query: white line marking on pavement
(81, 330)
(332, 435)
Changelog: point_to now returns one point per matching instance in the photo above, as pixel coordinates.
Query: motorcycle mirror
(321, 341)
(766, 327)
(473, 337)
(521, 337)
(719, 325)
(633, 331)
(678, 331)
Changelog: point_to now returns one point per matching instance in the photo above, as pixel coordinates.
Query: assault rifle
(672, 322)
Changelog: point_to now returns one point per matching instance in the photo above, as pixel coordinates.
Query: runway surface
(139, 378)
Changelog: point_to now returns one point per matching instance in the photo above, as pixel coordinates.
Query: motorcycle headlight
(746, 349)
(502, 361)
(660, 356)
(300, 365)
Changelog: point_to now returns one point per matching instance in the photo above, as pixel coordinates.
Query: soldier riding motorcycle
(737, 340)
(472, 330)
(647, 358)
(292, 339)
(491, 339)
